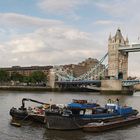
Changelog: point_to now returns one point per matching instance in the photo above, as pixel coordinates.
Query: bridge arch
(120, 75)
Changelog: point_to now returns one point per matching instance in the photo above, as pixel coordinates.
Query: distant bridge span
(93, 83)
(130, 48)
(81, 83)
(127, 83)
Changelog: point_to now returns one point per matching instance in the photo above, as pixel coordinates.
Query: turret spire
(118, 34)
(127, 41)
(109, 37)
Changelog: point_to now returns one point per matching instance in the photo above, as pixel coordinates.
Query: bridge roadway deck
(97, 83)
(130, 48)
(82, 82)
(128, 83)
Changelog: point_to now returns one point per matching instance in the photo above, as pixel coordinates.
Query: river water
(35, 131)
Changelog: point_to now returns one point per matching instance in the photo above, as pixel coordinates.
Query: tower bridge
(117, 67)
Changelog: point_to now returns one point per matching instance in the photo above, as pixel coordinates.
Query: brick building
(26, 71)
(75, 69)
(84, 66)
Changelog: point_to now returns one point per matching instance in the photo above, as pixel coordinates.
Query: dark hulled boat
(102, 126)
(23, 113)
(38, 113)
(71, 118)
(20, 113)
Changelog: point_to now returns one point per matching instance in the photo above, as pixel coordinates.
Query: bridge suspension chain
(103, 71)
(62, 74)
(92, 70)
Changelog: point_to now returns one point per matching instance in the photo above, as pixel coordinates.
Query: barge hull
(112, 125)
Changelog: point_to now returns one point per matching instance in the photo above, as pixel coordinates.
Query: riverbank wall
(38, 88)
(107, 87)
(137, 87)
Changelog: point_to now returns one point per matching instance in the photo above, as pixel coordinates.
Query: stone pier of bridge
(115, 87)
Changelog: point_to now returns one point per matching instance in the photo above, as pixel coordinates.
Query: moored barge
(104, 126)
(37, 113)
(71, 118)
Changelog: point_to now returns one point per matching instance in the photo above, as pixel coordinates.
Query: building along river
(35, 131)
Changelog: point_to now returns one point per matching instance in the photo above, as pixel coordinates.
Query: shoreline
(39, 88)
(43, 89)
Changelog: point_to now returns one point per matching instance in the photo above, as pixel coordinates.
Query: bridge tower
(117, 60)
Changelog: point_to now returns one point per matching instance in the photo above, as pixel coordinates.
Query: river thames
(35, 131)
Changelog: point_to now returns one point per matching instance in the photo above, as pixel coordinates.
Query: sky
(53, 32)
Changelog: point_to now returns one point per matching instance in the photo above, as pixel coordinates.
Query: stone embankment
(115, 87)
(25, 88)
(41, 88)
(137, 87)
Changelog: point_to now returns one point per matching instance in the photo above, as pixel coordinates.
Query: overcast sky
(51, 32)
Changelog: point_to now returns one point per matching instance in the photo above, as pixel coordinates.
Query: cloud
(59, 6)
(13, 25)
(67, 8)
(119, 8)
(17, 20)
(49, 41)
(54, 45)
(105, 22)
(25, 45)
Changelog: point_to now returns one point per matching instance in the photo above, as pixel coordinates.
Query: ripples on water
(34, 131)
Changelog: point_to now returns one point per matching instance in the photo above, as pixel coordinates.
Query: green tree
(4, 76)
(26, 79)
(38, 77)
(15, 76)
